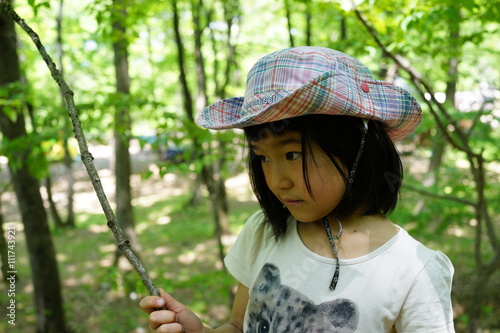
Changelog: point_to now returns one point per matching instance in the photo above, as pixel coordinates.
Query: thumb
(171, 303)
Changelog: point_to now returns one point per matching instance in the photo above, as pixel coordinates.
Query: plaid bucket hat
(314, 80)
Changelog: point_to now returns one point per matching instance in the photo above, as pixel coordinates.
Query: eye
(262, 158)
(263, 326)
(293, 155)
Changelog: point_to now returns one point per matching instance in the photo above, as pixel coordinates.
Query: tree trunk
(220, 189)
(308, 23)
(201, 98)
(68, 130)
(218, 196)
(68, 162)
(289, 22)
(123, 190)
(206, 175)
(186, 96)
(343, 28)
(42, 256)
(231, 13)
(52, 205)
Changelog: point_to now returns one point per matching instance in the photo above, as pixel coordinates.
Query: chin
(306, 219)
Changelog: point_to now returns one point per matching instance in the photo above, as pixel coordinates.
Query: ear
(268, 279)
(341, 314)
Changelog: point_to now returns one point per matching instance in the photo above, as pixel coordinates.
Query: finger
(162, 317)
(151, 303)
(159, 318)
(170, 328)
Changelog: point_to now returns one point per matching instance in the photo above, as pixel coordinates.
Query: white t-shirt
(402, 285)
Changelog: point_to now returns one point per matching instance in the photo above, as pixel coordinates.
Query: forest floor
(177, 247)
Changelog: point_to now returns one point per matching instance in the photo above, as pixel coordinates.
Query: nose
(279, 178)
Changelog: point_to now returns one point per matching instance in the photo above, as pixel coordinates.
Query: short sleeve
(240, 259)
(427, 308)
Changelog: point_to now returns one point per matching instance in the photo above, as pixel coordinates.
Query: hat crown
(289, 69)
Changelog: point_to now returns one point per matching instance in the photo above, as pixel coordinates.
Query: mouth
(291, 202)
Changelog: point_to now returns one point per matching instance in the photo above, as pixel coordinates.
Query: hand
(177, 318)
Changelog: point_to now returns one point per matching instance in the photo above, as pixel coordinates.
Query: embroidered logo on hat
(264, 101)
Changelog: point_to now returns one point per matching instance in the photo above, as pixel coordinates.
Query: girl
(321, 255)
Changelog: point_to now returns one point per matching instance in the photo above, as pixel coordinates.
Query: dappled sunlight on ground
(107, 262)
(456, 231)
(162, 250)
(108, 248)
(163, 220)
(97, 228)
(147, 192)
(199, 253)
(61, 257)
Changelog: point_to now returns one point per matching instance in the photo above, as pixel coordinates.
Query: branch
(476, 170)
(417, 79)
(440, 196)
(87, 159)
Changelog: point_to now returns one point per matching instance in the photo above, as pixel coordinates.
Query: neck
(355, 222)
(361, 234)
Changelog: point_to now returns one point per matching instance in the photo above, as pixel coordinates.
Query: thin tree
(231, 12)
(68, 131)
(207, 173)
(288, 15)
(47, 287)
(308, 28)
(67, 134)
(122, 163)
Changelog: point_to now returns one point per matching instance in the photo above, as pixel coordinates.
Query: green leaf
(37, 5)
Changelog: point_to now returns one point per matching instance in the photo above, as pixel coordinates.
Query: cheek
(328, 185)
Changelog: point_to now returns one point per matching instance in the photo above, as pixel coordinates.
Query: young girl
(321, 255)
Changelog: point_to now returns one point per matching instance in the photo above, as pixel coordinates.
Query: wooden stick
(87, 159)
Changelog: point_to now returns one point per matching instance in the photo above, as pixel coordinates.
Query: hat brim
(328, 94)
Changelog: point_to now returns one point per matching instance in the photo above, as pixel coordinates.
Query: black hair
(379, 171)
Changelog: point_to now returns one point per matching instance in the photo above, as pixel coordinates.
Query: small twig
(87, 159)
(440, 196)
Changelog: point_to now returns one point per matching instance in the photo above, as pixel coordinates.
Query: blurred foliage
(421, 31)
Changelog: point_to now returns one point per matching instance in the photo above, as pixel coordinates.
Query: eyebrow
(280, 143)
